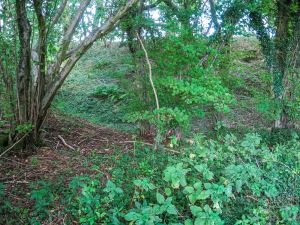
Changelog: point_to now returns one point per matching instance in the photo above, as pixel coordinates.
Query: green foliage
(86, 202)
(24, 128)
(229, 181)
(163, 118)
(181, 76)
(176, 175)
(185, 87)
(112, 92)
(94, 90)
(213, 179)
(44, 199)
(5, 205)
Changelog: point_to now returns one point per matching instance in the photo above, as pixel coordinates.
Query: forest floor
(68, 145)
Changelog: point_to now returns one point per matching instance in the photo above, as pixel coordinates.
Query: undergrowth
(224, 181)
(92, 90)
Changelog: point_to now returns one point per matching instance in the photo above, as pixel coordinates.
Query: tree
(39, 73)
(281, 51)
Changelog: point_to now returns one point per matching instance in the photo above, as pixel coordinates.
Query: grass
(99, 68)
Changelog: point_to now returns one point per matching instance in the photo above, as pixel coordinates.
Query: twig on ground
(13, 161)
(145, 143)
(251, 197)
(11, 147)
(17, 182)
(82, 141)
(65, 143)
(56, 145)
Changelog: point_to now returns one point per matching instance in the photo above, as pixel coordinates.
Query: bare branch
(69, 34)
(172, 6)
(11, 147)
(150, 71)
(214, 14)
(65, 143)
(58, 13)
(81, 49)
(151, 6)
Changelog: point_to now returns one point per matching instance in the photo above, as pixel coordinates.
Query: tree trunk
(280, 67)
(38, 91)
(276, 55)
(35, 98)
(24, 67)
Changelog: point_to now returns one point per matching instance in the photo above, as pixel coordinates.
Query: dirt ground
(67, 141)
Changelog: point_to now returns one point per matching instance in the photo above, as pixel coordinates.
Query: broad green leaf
(160, 198)
(172, 210)
(203, 195)
(188, 190)
(196, 210)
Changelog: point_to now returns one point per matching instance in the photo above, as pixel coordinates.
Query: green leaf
(168, 191)
(188, 190)
(193, 197)
(160, 198)
(203, 195)
(196, 210)
(188, 222)
(238, 185)
(198, 185)
(132, 216)
(172, 210)
(200, 221)
(228, 191)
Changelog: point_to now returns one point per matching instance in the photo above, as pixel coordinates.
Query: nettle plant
(228, 182)
(186, 85)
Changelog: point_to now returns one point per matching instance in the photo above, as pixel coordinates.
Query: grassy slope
(244, 74)
(99, 67)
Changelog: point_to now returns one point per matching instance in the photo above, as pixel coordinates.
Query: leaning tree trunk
(35, 93)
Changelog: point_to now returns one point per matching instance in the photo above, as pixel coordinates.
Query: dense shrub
(185, 85)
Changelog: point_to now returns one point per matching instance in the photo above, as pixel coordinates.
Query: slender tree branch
(80, 50)
(151, 6)
(58, 14)
(11, 147)
(172, 6)
(69, 34)
(150, 71)
(214, 15)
